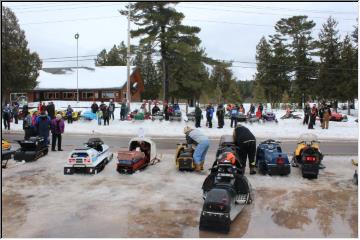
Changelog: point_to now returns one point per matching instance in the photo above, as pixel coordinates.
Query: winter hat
(187, 129)
(58, 116)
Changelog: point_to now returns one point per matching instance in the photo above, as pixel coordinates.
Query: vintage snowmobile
(91, 159)
(269, 117)
(191, 116)
(226, 190)
(242, 117)
(6, 152)
(158, 116)
(31, 149)
(184, 157)
(271, 160)
(308, 156)
(141, 153)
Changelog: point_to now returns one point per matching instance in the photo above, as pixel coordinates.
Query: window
(108, 94)
(51, 95)
(69, 95)
(87, 95)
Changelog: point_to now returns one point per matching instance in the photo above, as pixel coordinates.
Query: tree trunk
(165, 65)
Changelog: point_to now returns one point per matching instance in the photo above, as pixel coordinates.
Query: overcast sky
(229, 31)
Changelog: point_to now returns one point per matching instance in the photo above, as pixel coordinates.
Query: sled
(184, 157)
(31, 149)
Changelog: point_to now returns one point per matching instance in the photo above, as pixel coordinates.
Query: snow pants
(209, 120)
(197, 122)
(200, 151)
(306, 119)
(247, 150)
(56, 136)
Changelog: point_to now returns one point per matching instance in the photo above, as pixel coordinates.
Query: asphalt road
(168, 145)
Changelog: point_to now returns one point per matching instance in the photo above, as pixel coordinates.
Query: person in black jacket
(246, 143)
(307, 112)
(155, 109)
(198, 116)
(51, 110)
(111, 109)
(220, 113)
(166, 111)
(94, 107)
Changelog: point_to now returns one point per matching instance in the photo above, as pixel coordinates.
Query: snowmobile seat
(95, 143)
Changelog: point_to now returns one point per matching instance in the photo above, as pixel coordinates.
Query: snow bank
(284, 129)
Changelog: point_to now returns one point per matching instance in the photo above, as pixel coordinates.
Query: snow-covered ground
(40, 201)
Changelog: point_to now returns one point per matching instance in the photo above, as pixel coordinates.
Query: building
(94, 84)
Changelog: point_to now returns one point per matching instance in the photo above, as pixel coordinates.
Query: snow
(284, 129)
(97, 77)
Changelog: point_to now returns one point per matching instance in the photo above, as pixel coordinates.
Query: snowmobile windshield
(79, 155)
(308, 138)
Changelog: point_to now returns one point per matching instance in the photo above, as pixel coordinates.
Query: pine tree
(101, 59)
(329, 81)
(159, 23)
(298, 29)
(19, 66)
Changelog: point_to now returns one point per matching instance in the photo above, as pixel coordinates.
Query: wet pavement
(39, 201)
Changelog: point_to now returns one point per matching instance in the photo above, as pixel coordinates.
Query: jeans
(200, 151)
(99, 120)
(111, 115)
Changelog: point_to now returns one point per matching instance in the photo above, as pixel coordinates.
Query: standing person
(252, 109)
(99, 116)
(43, 107)
(321, 114)
(111, 109)
(307, 112)
(27, 126)
(242, 109)
(6, 116)
(198, 116)
(43, 126)
(326, 117)
(94, 107)
(313, 115)
(33, 123)
(316, 113)
(15, 112)
(102, 106)
(69, 112)
(106, 115)
(209, 114)
(25, 110)
(123, 110)
(202, 146)
(233, 116)
(246, 143)
(220, 113)
(166, 111)
(51, 110)
(57, 128)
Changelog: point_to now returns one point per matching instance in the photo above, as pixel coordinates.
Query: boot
(197, 168)
(252, 171)
(202, 165)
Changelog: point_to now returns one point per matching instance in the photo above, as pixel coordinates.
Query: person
(43, 126)
(313, 115)
(202, 145)
(6, 116)
(57, 128)
(246, 143)
(166, 111)
(106, 115)
(252, 109)
(209, 114)
(111, 109)
(69, 112)
(260, 108)
(326, 117)
(316, 113)
(307, 111)
(99, 116)
(102, 106)
(27, 126)
(15, 112)
(220, 114)
(94, 107)
(198, 116)
(123, 110)
(33, 122)
(25, 109)
(242, 109)
(155, 109)
(233, 116)
(51, 110)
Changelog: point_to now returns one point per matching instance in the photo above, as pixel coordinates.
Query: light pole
(128, 95)
(77, 66)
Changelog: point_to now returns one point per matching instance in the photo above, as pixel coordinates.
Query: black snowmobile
(31, 149)
(226, 190)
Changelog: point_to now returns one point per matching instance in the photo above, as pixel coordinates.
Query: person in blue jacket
(209, 114)
(43, 126)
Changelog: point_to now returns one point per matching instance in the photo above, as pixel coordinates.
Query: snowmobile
(158, 116)
(269, 117)
(184, 157)
(308, 156)
(271, 160)
(176, 115)
(88, 115)
(251, 118)
(241, 117)
(141, 153)
(91, 159)
(31, 149)
(191, 116)
(338, 117)
(6, 152)
(226, 190)
(355, 177)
